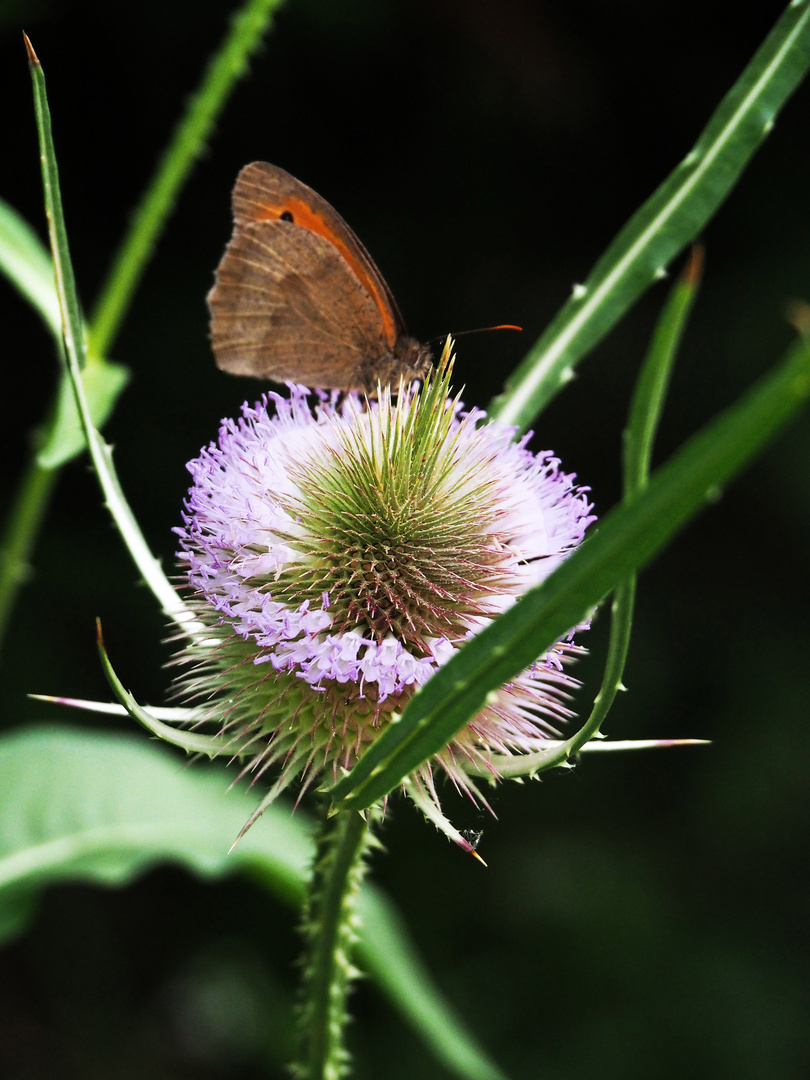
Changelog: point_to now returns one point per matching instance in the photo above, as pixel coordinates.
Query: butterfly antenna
(477, 330)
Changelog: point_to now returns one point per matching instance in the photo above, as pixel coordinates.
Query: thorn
(471, 838)
(33, 59)
(250, 821)
(694, 268)
(684, 742)
(798, 315)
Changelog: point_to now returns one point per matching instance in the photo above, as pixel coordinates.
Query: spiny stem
(226, 68)
(330, 932)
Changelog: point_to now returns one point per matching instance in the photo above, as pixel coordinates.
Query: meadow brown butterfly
(298, 297)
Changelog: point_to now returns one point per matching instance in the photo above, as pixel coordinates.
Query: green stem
(644, 416)
(330, 932)
(23, 525)
(224, 71)
(157, 202)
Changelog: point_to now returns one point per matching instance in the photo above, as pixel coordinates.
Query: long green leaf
(104, 809)
(625, 541)
(70, 309)
(24, 260)
(75, 349)
(668, 221)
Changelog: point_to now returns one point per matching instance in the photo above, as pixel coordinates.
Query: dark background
(644, 915)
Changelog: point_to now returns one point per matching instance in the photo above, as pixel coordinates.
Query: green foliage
(28, 266)
(104, 809)
(626, 539)
(80, 806)
(101, 808)
(670, 219)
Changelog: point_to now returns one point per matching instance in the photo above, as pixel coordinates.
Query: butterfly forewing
(297, 296)
(286, 306)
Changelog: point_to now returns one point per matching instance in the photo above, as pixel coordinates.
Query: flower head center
(397, 540)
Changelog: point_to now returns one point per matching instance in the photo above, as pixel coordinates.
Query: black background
(643, 915)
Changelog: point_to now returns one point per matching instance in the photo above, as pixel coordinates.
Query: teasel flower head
(339, 552)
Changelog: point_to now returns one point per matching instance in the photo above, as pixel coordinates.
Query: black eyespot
(285, 216)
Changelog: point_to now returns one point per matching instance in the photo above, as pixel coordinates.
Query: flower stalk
(330, 929)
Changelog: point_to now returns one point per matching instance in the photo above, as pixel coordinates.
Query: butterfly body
(298, 297)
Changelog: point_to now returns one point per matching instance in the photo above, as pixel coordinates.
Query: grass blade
(667, 222)
(75, 349)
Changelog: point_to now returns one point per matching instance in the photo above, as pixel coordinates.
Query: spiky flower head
(341, 552)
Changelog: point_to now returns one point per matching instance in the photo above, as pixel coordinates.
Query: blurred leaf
(408, 984)
(28, 265)
(103, 384)
(669, 220)
(25, 261)
(105, 808)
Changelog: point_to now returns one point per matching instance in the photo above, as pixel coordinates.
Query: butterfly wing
(296, 295)
(286, 306)
(266, 192)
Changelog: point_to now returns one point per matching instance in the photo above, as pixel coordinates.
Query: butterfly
(298, 297)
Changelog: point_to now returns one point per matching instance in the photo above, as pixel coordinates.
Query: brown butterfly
(298, 297)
